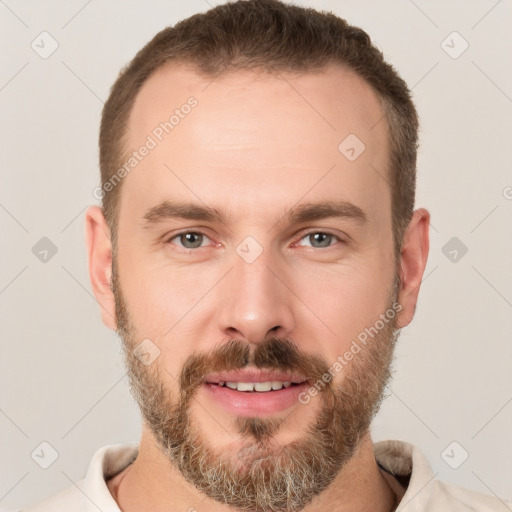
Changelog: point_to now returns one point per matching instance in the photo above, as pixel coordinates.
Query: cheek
(167, 306)
(156, 294)
(343, 303)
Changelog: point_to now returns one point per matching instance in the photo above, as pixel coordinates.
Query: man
(257, 251)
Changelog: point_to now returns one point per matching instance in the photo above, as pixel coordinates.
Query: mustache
(272, 354)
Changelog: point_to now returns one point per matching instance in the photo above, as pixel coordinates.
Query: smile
(261, 387)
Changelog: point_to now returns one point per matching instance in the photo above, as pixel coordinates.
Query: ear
(99, 250)
(413, 259)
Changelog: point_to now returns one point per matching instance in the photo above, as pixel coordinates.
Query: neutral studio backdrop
(61, 375)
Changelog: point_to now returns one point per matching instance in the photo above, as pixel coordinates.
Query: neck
(153, 484)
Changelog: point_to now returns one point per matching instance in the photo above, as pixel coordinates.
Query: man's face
(283, 260)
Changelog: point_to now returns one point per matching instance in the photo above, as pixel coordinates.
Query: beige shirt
(406, 462)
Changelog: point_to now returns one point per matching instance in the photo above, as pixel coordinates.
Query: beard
(261, 475)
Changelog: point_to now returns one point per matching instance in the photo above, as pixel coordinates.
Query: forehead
(331, 99)
(247, 132)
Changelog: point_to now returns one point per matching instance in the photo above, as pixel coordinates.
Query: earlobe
(99, 250)
(413, 260)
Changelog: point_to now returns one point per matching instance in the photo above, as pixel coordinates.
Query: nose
(254, 302)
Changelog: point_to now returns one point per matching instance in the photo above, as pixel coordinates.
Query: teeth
(245, 386)
(262, 386)
(256, 386)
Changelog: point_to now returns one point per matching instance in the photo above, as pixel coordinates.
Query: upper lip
(254, 376)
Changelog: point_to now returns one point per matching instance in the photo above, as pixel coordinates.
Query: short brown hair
(267, 35)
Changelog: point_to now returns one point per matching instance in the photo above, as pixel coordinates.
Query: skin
(253, 148)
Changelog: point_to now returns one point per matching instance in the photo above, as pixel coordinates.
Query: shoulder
(92, 493)
(447, 496)
(69, 499)
(423, 492)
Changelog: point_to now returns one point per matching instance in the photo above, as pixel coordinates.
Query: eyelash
(189, 250)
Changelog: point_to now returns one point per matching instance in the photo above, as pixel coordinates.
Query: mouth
(258, 387)
(253, 380)
(255, 392)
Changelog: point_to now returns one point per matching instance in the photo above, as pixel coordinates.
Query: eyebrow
(298, 214)
(170, 210)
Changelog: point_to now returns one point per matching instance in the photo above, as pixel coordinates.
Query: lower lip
(254, 403)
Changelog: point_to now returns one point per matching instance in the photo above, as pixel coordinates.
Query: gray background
(61, 373)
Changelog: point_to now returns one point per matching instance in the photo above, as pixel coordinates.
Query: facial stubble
(261, 475)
